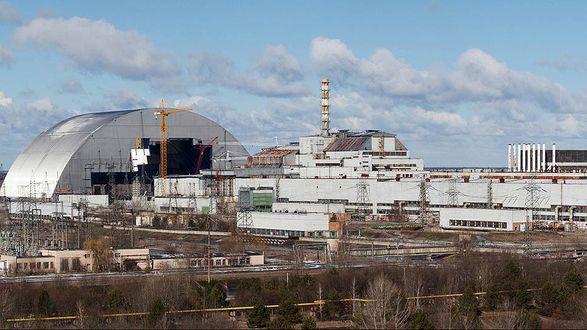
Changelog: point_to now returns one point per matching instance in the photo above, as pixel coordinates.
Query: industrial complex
(164, 167)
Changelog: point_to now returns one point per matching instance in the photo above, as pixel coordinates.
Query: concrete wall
(27, 265)
(308, 207)
(305, 222)
(90, 200)
(181, 186)
(46, 209)
(202, 262)
(509, 194)
(185, 205)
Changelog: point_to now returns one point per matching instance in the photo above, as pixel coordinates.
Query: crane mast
(164, 112)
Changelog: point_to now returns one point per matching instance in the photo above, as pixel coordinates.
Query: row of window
(479, 224)
(221, 262)
(293, 233)
(34, 265)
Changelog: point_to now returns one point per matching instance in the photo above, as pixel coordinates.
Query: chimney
(325, 108)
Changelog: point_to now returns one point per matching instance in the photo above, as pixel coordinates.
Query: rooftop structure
(342, 154)
(535, 158)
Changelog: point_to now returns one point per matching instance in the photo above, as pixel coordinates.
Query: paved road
(222, 273)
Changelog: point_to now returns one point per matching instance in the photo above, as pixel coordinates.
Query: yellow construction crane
(164, 112)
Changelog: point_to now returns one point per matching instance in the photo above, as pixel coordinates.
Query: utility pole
(209, 259)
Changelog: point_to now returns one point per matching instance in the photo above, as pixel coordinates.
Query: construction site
(169, 190)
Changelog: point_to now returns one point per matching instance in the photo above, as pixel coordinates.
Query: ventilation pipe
(544, 157)
(553, 165)
(519, 156)
(533, 159)
(325, 108)
(524, 157)
(510, 157)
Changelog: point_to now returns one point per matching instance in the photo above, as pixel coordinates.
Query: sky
(455, 80)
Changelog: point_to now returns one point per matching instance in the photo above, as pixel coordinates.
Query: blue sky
(456, 80)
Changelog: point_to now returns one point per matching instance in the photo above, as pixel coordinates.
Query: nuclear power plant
(173, 165)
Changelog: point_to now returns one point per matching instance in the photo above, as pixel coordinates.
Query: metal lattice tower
(489, 194)
(244, 222)
(244, 219)
(453, 193)
(531, 203)
(277, 189)
(424, 213)
(362, 196)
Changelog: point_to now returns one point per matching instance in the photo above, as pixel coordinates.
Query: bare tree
(386, 307)
(101, 251)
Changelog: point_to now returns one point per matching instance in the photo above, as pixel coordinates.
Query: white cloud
(569, 126)
(256, 128)
(98, 46)
(478, 77)
(24, 121)
(333, 56)
(71, 87)
(277, 73)
(211, 68)
(277, 61)
(4, 100)
(441, 118)
(44, 105)
(566, 62)
(8, 14)
(125, 99)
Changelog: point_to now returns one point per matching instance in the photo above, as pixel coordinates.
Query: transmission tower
(453, 193)
(532, 198)
(244, 221)
(489, 194)
(424, 214)
(362, 197)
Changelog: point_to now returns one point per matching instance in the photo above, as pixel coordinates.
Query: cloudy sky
(456, 80)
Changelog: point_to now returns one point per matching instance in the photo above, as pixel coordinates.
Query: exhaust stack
(325, 108)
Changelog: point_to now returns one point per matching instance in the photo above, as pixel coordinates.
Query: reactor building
(94, 153)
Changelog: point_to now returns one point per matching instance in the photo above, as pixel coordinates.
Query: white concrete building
(290, 224)
(482, 219)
